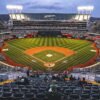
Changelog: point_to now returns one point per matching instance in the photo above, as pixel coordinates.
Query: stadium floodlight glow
(14, 7)
(86, 8)
(80, 8)
(90, 8)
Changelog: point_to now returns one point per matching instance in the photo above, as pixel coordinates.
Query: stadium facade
(42, 23)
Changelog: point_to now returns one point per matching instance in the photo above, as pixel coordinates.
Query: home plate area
(49, 65)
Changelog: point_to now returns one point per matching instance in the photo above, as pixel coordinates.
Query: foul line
(36, 57)
(28, 55)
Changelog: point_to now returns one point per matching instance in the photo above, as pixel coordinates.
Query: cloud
(45, 7)
(49, 6)
(43, 4)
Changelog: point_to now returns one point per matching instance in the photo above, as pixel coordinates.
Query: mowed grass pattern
(81, 47)
(43, 55)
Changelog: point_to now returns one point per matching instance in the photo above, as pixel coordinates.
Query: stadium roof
(42, 16)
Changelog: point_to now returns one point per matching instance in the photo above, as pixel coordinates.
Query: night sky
(51, 6)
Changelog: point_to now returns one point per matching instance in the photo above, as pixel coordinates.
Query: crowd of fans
(47, 86)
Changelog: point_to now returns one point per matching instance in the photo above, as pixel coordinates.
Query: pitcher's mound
(49, 55)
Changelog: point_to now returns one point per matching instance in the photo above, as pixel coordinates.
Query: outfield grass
(81, 47)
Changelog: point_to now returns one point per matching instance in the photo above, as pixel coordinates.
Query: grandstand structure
(39, 23)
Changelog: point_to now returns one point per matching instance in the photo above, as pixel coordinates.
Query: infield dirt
(65, 51)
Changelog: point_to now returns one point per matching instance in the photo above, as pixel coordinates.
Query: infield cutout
(65, 51)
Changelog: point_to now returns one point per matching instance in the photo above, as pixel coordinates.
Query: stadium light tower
(85, 10)
(14, 9)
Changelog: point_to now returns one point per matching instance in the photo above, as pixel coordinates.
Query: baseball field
(49, 52)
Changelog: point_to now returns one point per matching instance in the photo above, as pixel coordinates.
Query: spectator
(82, 82)
(28, 72)
(71, 78)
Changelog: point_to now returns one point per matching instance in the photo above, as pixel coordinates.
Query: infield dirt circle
(65, 51)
